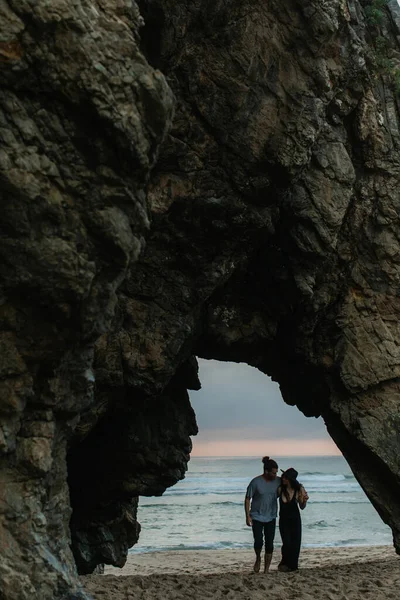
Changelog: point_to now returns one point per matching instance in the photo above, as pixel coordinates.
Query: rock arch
(274, 240)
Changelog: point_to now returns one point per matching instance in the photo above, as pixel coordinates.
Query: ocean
(205, 510)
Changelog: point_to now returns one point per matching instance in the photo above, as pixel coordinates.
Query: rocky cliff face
(273, 203)
(82, 116)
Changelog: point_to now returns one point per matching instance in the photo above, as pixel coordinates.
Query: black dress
(290, 529)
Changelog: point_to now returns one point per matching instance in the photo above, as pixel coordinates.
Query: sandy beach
(350, 573)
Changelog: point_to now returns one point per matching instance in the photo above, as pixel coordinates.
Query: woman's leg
(291, 539)
(284, 529)
(295, 544)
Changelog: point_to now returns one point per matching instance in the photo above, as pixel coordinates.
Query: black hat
(290, 474)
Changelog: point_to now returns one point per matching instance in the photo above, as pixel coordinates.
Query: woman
(292, 495)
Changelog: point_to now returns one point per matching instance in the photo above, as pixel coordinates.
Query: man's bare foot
(267, 562)
(257, 565)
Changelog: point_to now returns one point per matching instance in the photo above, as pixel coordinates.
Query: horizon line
(277, 455)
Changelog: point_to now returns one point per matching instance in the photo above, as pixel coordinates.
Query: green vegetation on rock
(375, 18)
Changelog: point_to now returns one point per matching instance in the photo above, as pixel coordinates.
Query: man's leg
(269, 533)
(258, 543)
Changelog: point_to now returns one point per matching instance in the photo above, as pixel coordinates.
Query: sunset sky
(240, 412)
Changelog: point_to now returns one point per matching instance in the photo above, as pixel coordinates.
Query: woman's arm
(302, 497)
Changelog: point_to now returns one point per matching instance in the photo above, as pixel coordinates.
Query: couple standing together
(261, 511)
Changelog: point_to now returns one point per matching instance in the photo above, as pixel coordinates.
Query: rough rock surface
(82, 114)
(274, 240)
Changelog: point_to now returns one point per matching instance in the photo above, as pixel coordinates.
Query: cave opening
(242, 417)
(240, 412)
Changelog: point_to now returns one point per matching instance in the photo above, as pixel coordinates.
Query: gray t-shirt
(263, 494)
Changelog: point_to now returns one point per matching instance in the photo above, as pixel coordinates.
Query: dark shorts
(263, 531)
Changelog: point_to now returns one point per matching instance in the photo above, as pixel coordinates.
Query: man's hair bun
(269, 463)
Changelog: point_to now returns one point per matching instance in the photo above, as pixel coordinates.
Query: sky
(240, 412)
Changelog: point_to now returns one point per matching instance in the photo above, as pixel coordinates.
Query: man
(261, 513)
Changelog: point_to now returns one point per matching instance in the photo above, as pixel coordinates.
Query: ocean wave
(322, 488)
(318, 525)
(225, 545)
(238, 485)
(226, 505)
(216, 479)
(344, 489)
(207, 492)
(322, 477)
(190, 506)
(343, 544)
(344, 501)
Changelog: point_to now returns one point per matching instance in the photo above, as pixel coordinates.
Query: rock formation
(82, 117)
(269, 202)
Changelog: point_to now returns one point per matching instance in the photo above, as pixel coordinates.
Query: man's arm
(247, 511)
